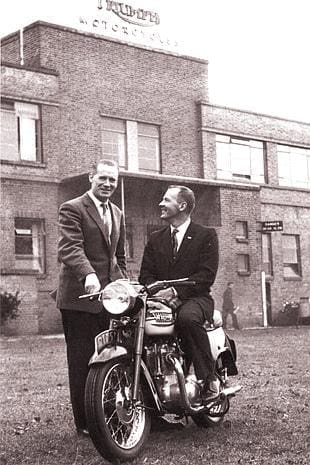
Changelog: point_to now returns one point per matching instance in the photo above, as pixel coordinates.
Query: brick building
(79, 97)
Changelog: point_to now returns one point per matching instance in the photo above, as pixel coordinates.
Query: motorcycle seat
(217, 321)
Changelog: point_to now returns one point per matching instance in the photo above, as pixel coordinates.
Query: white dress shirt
(105, 216)
(181, 231)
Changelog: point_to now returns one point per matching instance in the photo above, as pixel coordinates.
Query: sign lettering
(270, 226)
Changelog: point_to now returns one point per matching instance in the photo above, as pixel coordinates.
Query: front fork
(139, 350)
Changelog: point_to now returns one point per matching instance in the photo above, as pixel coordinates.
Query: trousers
(195, 342)
(80, 329)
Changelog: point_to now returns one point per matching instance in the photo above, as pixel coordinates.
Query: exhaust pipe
(231, 391)
(226, 393)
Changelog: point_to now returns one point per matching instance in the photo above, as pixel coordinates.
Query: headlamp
(118, 297)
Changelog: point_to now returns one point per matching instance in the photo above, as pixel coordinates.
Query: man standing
(92, 253)
(186, 249)
(229, 307)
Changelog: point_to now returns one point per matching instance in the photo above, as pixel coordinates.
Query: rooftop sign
(137, 16)
(126, 21)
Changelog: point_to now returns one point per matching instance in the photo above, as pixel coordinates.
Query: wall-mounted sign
(270, 226)
(128, 22)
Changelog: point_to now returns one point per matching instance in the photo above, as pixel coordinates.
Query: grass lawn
(268, 423)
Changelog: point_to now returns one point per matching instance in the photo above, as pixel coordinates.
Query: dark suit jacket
(83, 248)
(197, 259)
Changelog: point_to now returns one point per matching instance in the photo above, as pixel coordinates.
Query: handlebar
(150, 289)
(158, 285)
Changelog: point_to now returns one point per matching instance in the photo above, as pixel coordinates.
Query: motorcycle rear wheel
(117, 428)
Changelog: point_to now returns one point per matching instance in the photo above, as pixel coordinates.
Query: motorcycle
(139, 371)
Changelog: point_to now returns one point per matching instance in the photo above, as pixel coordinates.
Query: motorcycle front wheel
(117, 428)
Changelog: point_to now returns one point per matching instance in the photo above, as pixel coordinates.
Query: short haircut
(106, 162)
(229, 283)
(187, 195)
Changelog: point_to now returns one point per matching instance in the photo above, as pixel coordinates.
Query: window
(29, 244)
(114, 140)
(134, 145)
(291, 256)
(267, 254)
(243, 264)
(242, 231)
(293, 166)
(20, 132)
(148, 147)
(241, 159)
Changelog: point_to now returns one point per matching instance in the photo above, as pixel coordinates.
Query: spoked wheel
(117, 428)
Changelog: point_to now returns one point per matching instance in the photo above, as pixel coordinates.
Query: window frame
(40, 258)
(242, 237)
(269, 272)
(247, 270)
(132, 138)
(38, 152)
(285, 264)
(292, 152)
(228, 153)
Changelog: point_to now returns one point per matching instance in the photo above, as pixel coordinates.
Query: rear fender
(228, 361)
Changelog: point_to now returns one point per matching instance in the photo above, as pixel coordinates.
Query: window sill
(12, 271)
(32, 164)
(242, 240)
(292, 278)
(243, 273)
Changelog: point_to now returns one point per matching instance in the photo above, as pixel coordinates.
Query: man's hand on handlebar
(166, 294)
(92, 284)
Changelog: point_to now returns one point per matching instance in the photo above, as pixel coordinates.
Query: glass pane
(223, 160)
(243, 262)
(240, 160)
(113, 124)
(284, 167)
(148, 130)
(29, 246)
(289, 249)
(148, 150)
(241, 229)
(114, 147)
(27, 134)
(9, 136)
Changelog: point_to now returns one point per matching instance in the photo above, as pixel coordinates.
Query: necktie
(174, 242)
(105, 221)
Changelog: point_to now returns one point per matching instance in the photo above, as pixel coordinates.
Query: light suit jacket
(84, 248)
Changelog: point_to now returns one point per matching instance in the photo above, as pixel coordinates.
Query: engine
(164, 375)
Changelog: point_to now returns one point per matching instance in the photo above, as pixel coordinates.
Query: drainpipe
(123, 197)
(264, 300)
(21, 46)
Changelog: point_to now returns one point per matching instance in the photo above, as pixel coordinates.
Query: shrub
(9, 305)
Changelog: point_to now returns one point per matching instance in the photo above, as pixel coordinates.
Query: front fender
(108, 353)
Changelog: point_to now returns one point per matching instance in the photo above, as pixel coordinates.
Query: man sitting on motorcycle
(186, 249)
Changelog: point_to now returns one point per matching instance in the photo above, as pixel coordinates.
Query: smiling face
(172, 207)
(104, 181)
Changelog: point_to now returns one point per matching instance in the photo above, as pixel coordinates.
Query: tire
(117, 430)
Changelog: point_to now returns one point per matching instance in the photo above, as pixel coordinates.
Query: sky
(258, 50)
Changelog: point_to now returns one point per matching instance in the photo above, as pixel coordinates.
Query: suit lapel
(166, 243)
(94, 214)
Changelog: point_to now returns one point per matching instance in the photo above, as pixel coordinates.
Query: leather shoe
(211, 390)
(82, 432)
(161, 424)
